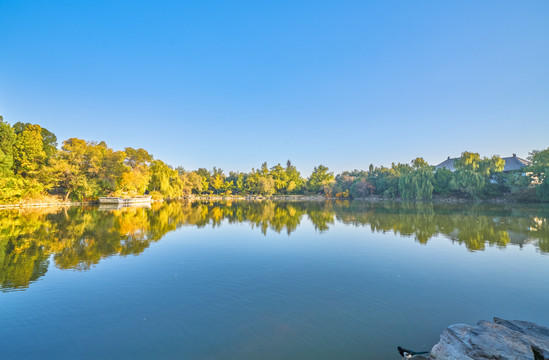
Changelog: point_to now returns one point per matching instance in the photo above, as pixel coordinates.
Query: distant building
(512, 163)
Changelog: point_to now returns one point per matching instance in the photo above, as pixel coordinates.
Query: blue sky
(235, 83)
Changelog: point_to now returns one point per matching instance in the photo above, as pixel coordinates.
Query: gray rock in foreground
(498, 340)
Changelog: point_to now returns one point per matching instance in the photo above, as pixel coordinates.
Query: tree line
(475, 177)
(32, 166)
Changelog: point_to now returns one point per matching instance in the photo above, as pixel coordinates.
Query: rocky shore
(497, 340)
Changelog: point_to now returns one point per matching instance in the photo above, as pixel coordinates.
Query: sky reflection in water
(249, 280)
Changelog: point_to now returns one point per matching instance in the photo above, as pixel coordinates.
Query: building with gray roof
(512, 163)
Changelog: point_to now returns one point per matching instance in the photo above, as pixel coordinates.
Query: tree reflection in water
(79, 237)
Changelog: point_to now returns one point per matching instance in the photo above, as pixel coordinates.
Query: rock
(498, 340)
(538, 336)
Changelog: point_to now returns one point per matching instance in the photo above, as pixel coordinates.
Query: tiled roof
(514, 163)
(511, 163)
(448, 164)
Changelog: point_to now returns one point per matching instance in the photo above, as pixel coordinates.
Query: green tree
(28, 151)
(265, 186)
(49, 143)
(165, 180)
(204, 179)
(76, 168)
(217, 180)
(195, 182)
(7, 137)
(137, 157)
(361, 189)
(401, 169)
(280, 178)
(475, 175)
(12, 188)
(489, 166)
(468, 182)
(264, 170)
(385, 180)
(295, 181)
(137, 175)
(238, 181)
(7, 141)
(468, 161)
(320, 180)
(260, 182)
(417, 184)
(49, 140)
(540, 172)
(6, 163)
(112, 169)
(441, 184)
(419, 163)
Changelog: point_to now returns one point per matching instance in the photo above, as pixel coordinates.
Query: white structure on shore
(122, 201)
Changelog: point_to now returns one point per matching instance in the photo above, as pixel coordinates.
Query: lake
(264, 279)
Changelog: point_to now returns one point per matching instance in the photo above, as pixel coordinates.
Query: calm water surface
(263, 280)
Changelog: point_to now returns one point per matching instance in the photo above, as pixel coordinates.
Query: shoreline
(373, 199)
(47, 204)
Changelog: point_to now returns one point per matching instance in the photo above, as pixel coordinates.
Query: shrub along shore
(33, 170)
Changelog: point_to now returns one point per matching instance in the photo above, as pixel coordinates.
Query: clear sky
(235, 83)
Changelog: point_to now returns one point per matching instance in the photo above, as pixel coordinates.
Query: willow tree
(417, 184)
(166, 181)
(489, 166)
(468, 161)
(474, 173)
(468, 183)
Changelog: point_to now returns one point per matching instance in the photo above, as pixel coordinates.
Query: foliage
(540, 172)
(76, 168)
(294, 180)
(419, 163)
(467, 161)
(467, 183)
(441, 184)
(7, 140)
(320, 180)
(31, 166)
(477, 177)
(417, 184)
(28, 151)
(361, 189)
